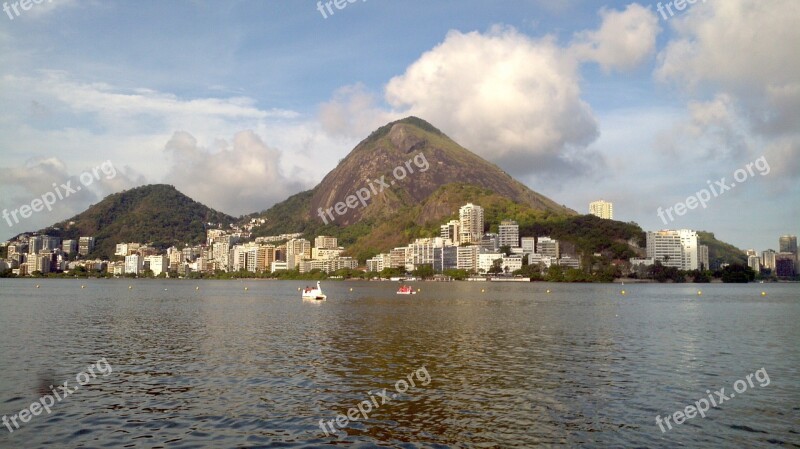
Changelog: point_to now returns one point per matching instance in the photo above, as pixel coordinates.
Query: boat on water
(314, 293)
(406, 290)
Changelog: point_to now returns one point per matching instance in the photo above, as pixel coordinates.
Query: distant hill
(719, 251)
(159, 214)
(446, 176)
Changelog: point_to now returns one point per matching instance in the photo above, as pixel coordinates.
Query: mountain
(415, 176)
(719, 251)
(158, 214)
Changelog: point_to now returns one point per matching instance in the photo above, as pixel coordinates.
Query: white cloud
(745, 48)
(624, 40)
(38, 176)
(510, 98)
(237, 177)
(353, 112)
(741, 53)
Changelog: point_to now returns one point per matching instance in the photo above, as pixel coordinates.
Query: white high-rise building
(471, 218)
(689, 245)
(509, 233)
(768, 259)
(451, 231)
(602, 209)
(134, 264)
(754, 262)
(528, 245)
(677, 249)
(325, 242)
(467, 257)
(702, 257)
(157, 264)
(548, 247)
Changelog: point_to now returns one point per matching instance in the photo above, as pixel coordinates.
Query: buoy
(622, 293)
(699, 293)
(246, 288)
(37, 285)
(548, 290)
(763, 293)
(83, 286)
(130, 287)
(351, 289)
(483, 291)
(298, 289)
(165, 289)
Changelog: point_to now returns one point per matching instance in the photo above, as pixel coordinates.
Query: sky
(240, 104)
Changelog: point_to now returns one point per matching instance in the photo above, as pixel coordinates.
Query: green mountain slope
(157, 214)
(445, 176)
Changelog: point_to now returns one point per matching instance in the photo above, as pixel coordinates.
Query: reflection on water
(512, 367)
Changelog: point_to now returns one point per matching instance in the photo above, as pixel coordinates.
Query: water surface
(229, 364)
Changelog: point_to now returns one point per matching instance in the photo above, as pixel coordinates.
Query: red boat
(406, 290)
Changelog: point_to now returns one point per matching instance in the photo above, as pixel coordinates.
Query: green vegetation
(720, 252)
(157, 214)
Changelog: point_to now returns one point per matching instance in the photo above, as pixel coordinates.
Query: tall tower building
(602, 209)
(509, 233)
(702, 257)
(788, 244)
(768, 259)
(85, 245)
(451, 231)
(471, 218)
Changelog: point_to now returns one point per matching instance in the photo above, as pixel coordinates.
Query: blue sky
(240, 104)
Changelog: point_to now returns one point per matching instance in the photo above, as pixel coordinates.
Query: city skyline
(633, 118)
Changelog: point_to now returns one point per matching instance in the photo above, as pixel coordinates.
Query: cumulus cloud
(510, 98)
(38, 176)
(236, 177)
(624, 40)
(744, 47)
(353, 112)
(741, 53)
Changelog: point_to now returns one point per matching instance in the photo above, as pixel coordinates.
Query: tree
(737, 274)
(497, 266)
(423, 271)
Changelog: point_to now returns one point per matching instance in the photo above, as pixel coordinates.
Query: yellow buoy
(548, 290)
(197, 288)
(246, 288)
(483, 291)
(763, 293)
(622, 293)
(130, 287)
(351, 289)
(83, 286)
(37, 285)
(699, 293)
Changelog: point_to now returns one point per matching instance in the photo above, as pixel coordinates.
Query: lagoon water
(514, 366)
